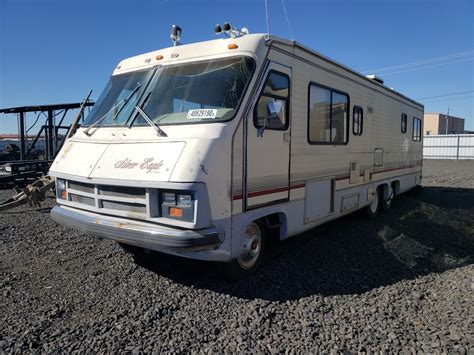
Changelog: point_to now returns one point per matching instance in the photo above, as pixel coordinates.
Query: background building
(435, 123)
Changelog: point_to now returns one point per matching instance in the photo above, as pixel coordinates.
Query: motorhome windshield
(207, 91)
(196, 92)
(118, 100)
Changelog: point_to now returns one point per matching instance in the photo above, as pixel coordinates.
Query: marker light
(232, 46)
(159, 57)
(61, 189)
(176, 212)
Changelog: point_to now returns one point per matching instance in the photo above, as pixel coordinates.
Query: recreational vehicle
(213, 150)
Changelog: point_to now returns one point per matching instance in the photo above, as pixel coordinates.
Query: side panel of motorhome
(329, 179)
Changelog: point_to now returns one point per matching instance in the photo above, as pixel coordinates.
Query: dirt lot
(403, 281)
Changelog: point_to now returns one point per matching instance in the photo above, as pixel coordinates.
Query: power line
(427, 67)
(451, 94)
(287, 19)
(450, 99)
(420, 62)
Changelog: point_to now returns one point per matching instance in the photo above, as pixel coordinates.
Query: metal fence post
(457, 150)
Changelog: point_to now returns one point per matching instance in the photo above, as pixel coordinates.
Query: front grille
(122, 191)
(80, 186)
(118, 200)
(124, 206)
(89, 201)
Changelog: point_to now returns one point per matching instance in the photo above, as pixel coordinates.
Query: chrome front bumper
(146, 235)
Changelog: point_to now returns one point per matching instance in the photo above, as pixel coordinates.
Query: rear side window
(416, 129)
(404, 123)
(357, 120)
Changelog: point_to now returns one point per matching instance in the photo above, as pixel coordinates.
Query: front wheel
(250, 258)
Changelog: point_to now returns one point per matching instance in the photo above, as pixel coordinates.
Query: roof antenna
(266, 16)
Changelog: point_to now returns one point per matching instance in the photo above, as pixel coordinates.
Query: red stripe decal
(338, 178)
(268, 192)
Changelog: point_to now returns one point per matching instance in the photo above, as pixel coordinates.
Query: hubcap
(390, 196)
(375, 203)
(252, 243)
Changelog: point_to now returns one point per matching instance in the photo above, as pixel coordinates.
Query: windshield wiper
(158, 130)
(122, 103)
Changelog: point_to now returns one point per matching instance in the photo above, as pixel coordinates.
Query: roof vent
(375, 78)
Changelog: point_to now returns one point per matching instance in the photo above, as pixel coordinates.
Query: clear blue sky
(54, 51)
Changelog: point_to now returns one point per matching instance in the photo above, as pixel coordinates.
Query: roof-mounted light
(175, 35)
(230, 31)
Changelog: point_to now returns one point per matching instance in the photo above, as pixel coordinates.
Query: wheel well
(383, 188)
(276, 224)
(396, 186)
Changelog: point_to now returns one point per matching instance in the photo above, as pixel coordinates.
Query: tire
(386, 203)
(373, 209)
(253, 251)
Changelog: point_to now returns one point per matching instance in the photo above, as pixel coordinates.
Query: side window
(271, 112)
(357, 120)
(404, 123)
(328, 116)
(416, 129)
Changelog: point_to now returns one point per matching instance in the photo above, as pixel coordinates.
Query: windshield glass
(119, 98)
(197, 92)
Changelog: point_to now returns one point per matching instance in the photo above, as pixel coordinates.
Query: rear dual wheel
(373, 209)
(379, 202)
(387, 202)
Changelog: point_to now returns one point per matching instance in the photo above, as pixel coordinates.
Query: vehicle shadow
(429, 232)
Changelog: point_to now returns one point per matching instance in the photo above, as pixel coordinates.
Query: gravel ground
(402, 282)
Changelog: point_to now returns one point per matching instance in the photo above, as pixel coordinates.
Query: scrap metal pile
(33, 194)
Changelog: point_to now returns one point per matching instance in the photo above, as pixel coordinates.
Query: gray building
(438, 123)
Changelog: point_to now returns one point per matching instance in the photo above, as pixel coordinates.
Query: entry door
(268, 140)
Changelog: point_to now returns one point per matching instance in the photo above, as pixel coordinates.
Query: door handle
(286, 137)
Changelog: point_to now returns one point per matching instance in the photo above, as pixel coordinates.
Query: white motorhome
(208, 150)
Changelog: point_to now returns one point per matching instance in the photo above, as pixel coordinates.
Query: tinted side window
(404, 123)
(416, 129)
(357, 120)
(328, 114)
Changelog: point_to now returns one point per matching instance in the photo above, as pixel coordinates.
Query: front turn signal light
(175, 212)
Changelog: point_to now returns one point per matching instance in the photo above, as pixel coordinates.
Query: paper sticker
(202, 113)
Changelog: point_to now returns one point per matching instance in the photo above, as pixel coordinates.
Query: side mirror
(274, 108)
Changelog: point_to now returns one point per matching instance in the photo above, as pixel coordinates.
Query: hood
(120, 161)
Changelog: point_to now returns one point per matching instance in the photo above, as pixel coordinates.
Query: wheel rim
(374, 206)
(391, 194)
(252, 246)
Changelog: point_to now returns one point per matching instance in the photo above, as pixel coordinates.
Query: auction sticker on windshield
(202, 113)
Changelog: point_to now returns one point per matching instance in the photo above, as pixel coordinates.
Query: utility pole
(447, 121)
